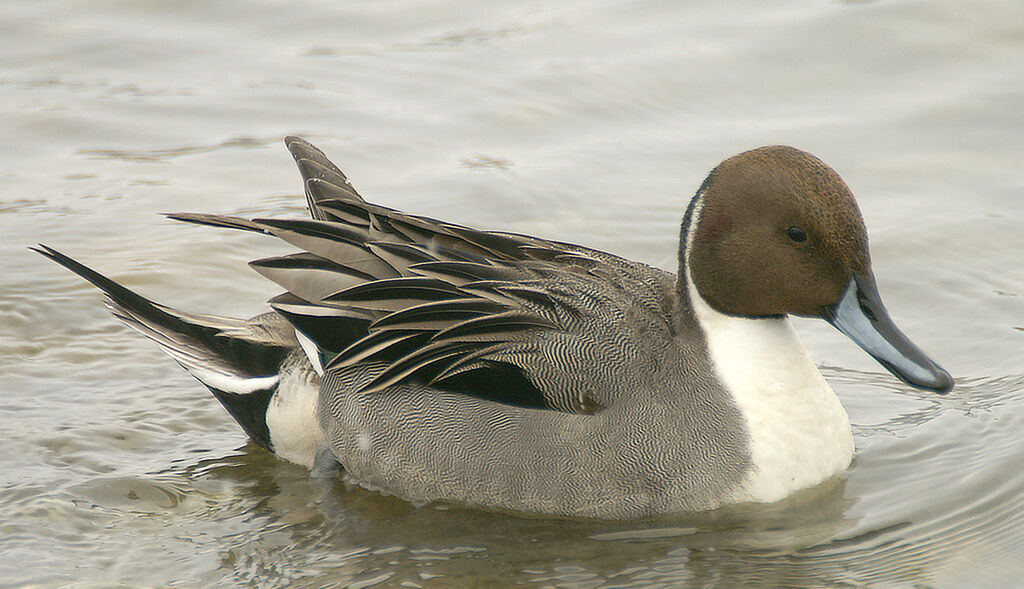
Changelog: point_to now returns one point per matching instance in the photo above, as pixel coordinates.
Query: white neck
(799, 432)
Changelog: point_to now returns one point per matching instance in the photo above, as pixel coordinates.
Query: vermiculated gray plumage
(495, 368)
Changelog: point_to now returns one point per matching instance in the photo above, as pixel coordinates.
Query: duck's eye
(797, 234)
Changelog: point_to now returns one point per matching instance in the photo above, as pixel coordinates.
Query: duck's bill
(862, 317)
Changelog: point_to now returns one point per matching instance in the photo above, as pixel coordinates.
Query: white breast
(799, 432)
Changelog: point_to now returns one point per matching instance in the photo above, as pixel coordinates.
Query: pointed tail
(238, 360)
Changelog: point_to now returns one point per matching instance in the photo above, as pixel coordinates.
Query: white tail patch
(292, 416)
(230, 383)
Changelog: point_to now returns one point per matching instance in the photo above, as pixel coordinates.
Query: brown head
(779, 233)
(774, 231)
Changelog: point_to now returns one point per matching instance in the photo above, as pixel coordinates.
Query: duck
(439, 363)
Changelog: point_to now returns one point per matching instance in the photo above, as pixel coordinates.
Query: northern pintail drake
(436, 362)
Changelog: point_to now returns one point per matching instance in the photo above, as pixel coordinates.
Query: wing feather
(437, 304)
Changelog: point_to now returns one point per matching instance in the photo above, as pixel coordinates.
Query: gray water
(591, 122)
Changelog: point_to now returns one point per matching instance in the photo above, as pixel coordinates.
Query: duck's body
(436, 362)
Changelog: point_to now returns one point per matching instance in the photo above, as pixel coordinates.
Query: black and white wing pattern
(505, 317)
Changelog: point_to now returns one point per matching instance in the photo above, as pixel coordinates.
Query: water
(590, 122)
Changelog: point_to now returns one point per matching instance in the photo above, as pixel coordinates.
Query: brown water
(590, 122)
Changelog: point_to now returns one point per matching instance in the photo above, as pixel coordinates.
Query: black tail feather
(222, 352)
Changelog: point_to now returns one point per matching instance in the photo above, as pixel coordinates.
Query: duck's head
(774, 231)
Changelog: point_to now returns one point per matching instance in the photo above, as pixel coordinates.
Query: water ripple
(170, 153)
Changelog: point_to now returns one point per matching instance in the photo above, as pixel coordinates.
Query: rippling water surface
(590, 122)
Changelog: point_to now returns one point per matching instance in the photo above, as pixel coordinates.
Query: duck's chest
(797, 431)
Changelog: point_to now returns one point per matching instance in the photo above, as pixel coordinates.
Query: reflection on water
(583, 122)
(268, 522)
(333, 533)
